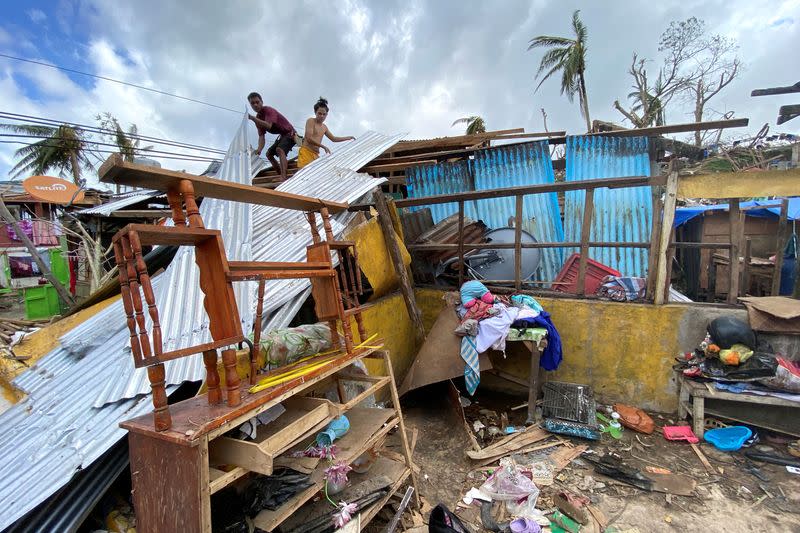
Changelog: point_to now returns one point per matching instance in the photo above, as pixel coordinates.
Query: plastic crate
(595, 272)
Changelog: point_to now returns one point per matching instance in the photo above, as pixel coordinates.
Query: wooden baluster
(187, 190)
(147, 288)
(352, 291)
(157, 376)
(335, 340)
(343, 280)
(257, 333)
(212, 377)
(127, 303)
(312, 221)
(175, 203)
(348, 335)
(232, 380)
(362, 333)
(136, 297)
(326, 223)
(357, 270)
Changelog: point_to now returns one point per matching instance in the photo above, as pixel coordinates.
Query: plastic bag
(786, 378)
(442, 520)
(284, 346)
(634, 418)
(759, 366)
(735, 355)
(508, 483)
(727, 331)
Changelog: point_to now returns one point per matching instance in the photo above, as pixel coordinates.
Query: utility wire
(65, 69)
(51, 122)
(98, 143)
(95, 150)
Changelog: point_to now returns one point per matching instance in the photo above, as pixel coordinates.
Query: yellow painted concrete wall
(624, 351)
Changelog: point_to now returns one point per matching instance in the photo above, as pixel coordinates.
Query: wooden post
(734, 219)
(232, 380)
(586, 229)
(670, 260)
(460, 243)
(517, 244)
(748, 254)
(212, 377)
(63, 293)
(670, 197)
(257, 332)
(655, 232)
(781, 245)
(385, 221)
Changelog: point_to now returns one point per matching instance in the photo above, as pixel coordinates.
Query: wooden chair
(336, 297)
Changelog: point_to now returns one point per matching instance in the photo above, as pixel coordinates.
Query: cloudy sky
(393, 66)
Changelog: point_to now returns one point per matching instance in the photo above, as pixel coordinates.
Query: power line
(65, 69)
(51, 122)
(98, 143)
(95, 150)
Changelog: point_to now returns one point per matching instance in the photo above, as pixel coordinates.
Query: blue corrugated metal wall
(623, 215)
(499, 167)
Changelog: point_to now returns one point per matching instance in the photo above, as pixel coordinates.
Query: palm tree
(567, 55)
(475, 124)
(62, 147)
(127, 142)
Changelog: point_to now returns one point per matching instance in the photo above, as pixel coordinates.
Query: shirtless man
(267, 119)
(315, 129)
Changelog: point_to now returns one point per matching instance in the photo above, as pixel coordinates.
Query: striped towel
(472, 369)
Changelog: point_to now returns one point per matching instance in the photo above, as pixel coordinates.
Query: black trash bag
(760, 365)
(227, 514)
(726, 331)
(270, 492)
(613, 467)
(443, 521)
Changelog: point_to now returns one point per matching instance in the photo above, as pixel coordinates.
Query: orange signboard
(53, 190)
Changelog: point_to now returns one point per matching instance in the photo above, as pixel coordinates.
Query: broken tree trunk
(389, 235)
(62, 292)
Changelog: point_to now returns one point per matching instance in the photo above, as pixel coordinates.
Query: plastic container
(41, 302)
(680, 433)
(595, 272)
(728, 439)
(338, 427)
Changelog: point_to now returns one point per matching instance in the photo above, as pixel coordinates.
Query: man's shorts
(284, 142)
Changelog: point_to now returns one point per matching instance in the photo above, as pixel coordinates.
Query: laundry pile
(487, 321)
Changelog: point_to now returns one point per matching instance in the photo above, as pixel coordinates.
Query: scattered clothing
(479, 310)
(472, 367)
(552, 354)
(25, 225)
(471, 290)
(622, 289)
(493, 331)
(523, 300)
(468, 327)
(306, 156)
(525, 318)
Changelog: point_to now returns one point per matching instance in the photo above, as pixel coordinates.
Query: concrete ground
(731, 500)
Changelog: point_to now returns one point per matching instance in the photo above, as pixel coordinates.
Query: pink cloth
(488, 298)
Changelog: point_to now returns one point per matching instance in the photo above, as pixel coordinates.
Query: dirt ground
(731, 500)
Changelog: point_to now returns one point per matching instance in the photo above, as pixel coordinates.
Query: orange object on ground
(634, 418)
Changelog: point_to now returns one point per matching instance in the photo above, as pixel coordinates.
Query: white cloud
(394, 65)
(36, 15)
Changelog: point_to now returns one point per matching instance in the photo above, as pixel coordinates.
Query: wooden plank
(703, 459)
(586, 230)
(257, 275)
(788, 89)
(678, 128)
(633, 181)
(780, 245)
(537, 135)
(736, 228)
(754, 184)
(655, 232)
(168, 235)
(511, 246)
(517, 240)
(393, 247)
(271, 265)
(670, 198)
(141, 213)
(117, 170)
(748, 255)
(164, 478)
(460, 243)
(510, 444)
(372, 169)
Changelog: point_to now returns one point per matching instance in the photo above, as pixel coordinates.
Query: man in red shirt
(267, 119)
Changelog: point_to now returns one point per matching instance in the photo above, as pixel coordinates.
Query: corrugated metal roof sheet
(71, 414)
(498, 167)
(121, 202)
(623, 215)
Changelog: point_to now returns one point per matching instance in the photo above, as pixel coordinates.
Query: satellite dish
(52, 190)
(499, 264)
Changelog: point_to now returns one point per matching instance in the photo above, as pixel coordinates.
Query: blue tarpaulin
(685, 214)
